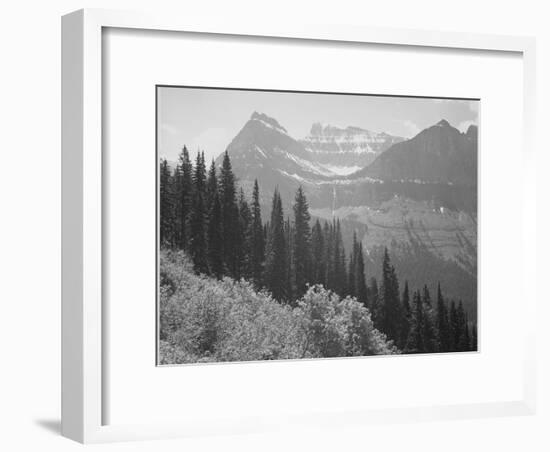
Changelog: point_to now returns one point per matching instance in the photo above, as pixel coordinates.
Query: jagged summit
(319, 128)
(346, 149)
(268, 121)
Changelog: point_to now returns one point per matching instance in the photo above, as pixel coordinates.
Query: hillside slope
(206, 320)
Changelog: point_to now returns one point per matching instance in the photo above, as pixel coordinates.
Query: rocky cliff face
(345, 150)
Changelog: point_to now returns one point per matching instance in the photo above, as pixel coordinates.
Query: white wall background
(30, 221)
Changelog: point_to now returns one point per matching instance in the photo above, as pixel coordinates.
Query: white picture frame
(83, 391)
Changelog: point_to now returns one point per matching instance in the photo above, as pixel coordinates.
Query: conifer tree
(317, 249)
(166, 207)
(301, 243)
(215, 237)
(245, 233)
(474, 337)
(328, 233)
(230, 217)
(443, 327)
(454, 328)
(257, 252)
(430, 338)
(391, 311)
(276, 259)
(352, 270)
(183, 193)
(361, 291)
(290, 267)
(415, 342)
(211, 185)
(340, 273)
(406, 316)
(197, 221)
(375, 306)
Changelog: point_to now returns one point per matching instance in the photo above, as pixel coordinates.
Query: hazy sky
(209, 118)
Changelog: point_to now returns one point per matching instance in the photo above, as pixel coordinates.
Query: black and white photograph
(307, 225)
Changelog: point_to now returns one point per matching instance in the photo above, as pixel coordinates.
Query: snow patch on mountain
(333, 182)
(342, 170)
(259, 150)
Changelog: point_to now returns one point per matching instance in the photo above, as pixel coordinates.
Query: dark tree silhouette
(257, 252)
(276, 259)
(301, 243)
(197, 221)
(443, 327)
(183, 193)
(230, 218)
(317, 249)
(166, 208)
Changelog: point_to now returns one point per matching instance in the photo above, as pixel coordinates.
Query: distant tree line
(205, 215)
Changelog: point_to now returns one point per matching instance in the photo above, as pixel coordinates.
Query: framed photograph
(265, 228)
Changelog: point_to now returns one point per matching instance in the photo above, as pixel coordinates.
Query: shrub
(204, 320)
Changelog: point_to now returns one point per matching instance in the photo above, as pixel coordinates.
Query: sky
(208, 119)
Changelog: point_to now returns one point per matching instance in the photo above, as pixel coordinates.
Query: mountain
(263, 146)
(416, 196)
(345, 150)
(264, 150)
(438, 154)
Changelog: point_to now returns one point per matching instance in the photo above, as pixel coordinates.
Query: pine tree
(328, 233)
(406, 316)
(454, 328)
(245, 234)
(183, 194)
(211, 185)
(230, 217)
(215, 237)
(375, 306)
(317, 248)
(166, 206)
(257, 252)
(276, 259)
(391, 311)
(430, 339)
(415, 341)
(340, 273)
(352, 270)
(301, 242)
(290, 267)
(443, 327)
(361, 291)
(197, 221)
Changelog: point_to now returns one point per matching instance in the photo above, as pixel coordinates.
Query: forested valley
(234, 287)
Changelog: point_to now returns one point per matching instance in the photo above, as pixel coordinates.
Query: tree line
(205, 215)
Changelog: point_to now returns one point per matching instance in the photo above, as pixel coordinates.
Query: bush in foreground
(207, 320)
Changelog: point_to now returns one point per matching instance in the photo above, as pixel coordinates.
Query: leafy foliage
(207, 320)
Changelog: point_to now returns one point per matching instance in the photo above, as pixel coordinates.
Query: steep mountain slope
(263, 150)
(438, 154)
